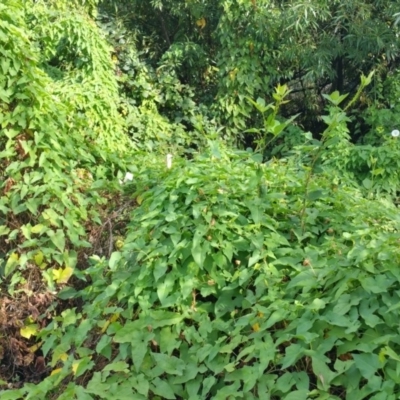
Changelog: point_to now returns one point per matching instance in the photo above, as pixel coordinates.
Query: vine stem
(331, 127)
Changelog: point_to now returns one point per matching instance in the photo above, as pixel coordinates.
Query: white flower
(168, 161)
(395, 133)
(128, 177)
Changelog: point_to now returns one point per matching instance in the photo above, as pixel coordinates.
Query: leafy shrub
(85, 74)
(48, 163)
(160, 111)
(220, 293)
(57, 173)
(376, 169)
(381, 116)
(236, 279)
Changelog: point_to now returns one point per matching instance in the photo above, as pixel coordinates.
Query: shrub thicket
(235, 278)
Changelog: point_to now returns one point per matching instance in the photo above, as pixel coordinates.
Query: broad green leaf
(16, 394)
(60, 353)
(81, 393)
(58, 239)
(285, 382)
(114, 259)
(125, 334)
(69, 317)
(169, 364)
(228, 391)
(79, 367)
(199, 255)
(118, 366)
(159, 319)
(256, 213)
(159, 269)
(367, 363)
(318, 304)
(322, 372)
(81, 333)
(38, 258)
(297, 395)
(11, 264)
(168, 340)
(162, 388)
(367, 183)
(142, 385)
(315, 195)
(208, 383)
(4, 230)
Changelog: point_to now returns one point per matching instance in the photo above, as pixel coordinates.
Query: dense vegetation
(262, 262)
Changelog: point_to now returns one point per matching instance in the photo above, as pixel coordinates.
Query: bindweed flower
(168, 161)
(128, 177)
(395, 133)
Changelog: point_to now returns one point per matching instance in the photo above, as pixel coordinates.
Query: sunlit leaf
(62, 275)
(29, 330)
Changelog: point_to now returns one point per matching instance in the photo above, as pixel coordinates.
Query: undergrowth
(226, 276)
(217, 292)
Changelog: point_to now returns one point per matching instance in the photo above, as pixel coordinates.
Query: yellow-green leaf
(62, 275)
(29, 330)
(38, 258)
(37, 228)
(56, 371)
(11, 264)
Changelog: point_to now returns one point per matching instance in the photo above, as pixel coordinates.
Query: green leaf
(58, 239)
(208, 383)
(297, 395)
(118, 366)
(159, 269)
(114, 259)
(38, 258)
(256, 213)
(139, 340)
(322, 372)
(169, 364)
(4, 230)
(367, 183)
(227, 391)
(69, 317)
(335, 97)
(81, 393)
(81, 333)
(142, 385)
(11, 264)
(13, 394)
(199, 255)
(165, 288)
(317, 304)
(285, 382)
(366, 311)
(79, 367)
(260, 104)
(315, 194)
(367, 363)
(124, 335)
(168, 342)
(366, 80)
(162, 388)
(103, 347)
(158, 319)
